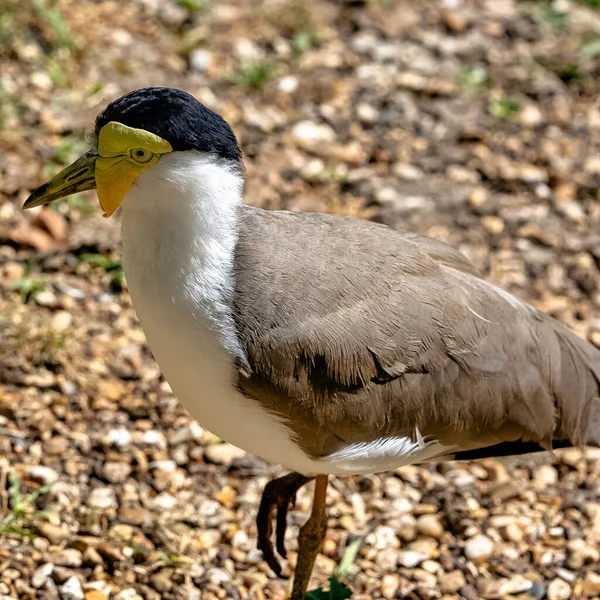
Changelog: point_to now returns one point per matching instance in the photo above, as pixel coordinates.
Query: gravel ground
(472, 121)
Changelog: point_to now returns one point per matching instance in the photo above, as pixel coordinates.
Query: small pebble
(430, 525)
(410, 558)
(389, 585)
(161, 582)
(367, 113)
(41, 575)
(127, 594)
(558, 589)
(70, 557)
(72, 590)
(308, 133)
(102, 498)
(200, 60)
(53, 533)
(479, 548)
(42, 474)
(288, 84)
(451, 582)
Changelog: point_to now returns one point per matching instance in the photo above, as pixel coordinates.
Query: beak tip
(77, 177)
(30, 202)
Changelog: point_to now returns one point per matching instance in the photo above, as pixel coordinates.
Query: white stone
(240, 539)
(310, 133)
(153, 437)
(200, 60)
(385, 537)
(164, 501)
(61, 321)
(102, 498)
(128, 594)
(218, 576)
(42, 474)
(410, 558)
(479, 547)
(545, 475)
(119, 437)
(288, 84)
(558, 590)
(387, 195)
(41, 80)
(71, 589)
(367, 113)
(41, 574)
(531, 116)
(247, 50)
(223, 454)
(313, 168)
(407, 171)
(430, 525)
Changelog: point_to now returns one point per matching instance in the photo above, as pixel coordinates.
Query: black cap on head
(175, 116)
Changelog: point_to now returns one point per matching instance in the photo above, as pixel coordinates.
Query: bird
(326, 344)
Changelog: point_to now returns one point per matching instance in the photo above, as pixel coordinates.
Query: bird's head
(130, 136)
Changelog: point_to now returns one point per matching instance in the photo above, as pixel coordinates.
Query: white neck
(180, 220)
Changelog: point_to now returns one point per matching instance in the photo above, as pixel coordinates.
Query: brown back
(354, 331)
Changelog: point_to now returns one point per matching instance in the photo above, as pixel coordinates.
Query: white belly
(200, 372)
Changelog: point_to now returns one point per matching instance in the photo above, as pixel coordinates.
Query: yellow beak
(77, 177)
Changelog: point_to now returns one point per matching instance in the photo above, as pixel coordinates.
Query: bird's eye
(141, 155)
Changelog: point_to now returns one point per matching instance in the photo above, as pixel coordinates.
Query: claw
(277, 497)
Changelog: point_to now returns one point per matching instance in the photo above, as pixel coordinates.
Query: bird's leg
(310, 539)
(277, 496)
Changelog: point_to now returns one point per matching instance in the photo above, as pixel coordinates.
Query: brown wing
(354, 331)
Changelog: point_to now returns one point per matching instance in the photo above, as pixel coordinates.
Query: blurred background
(473, 121)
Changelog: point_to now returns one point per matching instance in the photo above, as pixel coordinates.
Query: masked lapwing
(328, 345)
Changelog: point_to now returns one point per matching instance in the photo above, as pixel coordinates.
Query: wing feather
(355, 332)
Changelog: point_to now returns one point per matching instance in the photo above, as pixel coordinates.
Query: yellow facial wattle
(123, 154)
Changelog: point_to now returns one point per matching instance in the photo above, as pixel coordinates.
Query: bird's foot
(276, 498)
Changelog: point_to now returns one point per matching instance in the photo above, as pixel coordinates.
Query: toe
(282, 512)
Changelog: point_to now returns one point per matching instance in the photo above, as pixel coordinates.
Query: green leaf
(305, 40)
(591, 48)
(56, 22)
(254, 74)
(36, 493)
(194, 5)
(505, 108)
(16, 531)
(337, 591)
(473, 79)
(590, 3)
(15, 489)
(28, 287)
(348, 558)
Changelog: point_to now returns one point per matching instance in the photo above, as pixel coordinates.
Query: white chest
(177, 257)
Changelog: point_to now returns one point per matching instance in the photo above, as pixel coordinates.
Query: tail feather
(570, 367)
(577, 395)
